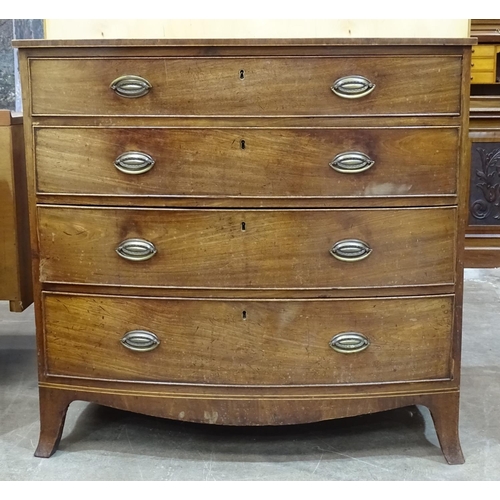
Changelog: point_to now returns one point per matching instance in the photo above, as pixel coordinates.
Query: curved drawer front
(248, 342)
(273, 86)
(291, 249)
(248, 162)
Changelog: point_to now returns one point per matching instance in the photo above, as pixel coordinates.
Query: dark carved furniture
(482, 240)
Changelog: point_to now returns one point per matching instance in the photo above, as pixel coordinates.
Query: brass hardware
(134, 162)
(471, 65)
(136, 249)
(351, 162)
(349, 342)
(131, 86)
(140, 341)
(350, 250)
(352, 87)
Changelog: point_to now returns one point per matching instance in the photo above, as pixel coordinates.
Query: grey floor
(105, 444)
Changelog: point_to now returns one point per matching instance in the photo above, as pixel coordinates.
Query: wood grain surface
(247, 162)
(243, 292)
(274, 248)
(249, 342)
(15, 254)
(271, 86)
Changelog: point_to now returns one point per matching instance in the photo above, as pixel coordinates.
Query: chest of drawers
(248, 232)
(484, 63)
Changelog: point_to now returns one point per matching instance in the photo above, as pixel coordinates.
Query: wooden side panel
(9, 284)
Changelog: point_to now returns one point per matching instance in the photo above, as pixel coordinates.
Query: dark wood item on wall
(248, 232)
(482, 240)
(15, 258)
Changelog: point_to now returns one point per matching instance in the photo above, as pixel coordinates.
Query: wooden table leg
(53, 407)
(444, 409)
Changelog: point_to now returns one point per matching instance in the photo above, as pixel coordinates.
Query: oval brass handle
(351, 162)
(134, 162)
(140, 340)
(351, 250)
(131, 86)
(352, 87)
(349, 342)
(136, 249)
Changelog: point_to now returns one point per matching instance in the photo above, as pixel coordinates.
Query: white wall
(253, 28)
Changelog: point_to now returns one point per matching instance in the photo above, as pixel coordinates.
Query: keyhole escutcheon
(242, 74)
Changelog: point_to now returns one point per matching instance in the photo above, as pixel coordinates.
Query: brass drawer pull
(131, 86)
(352, 87)
(136, 249)
(351, 250)
(140, 340)
(351, 162)
(349, 342)
(134, 162)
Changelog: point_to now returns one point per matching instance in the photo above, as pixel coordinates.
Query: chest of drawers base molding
(214, 409)
(248, 232)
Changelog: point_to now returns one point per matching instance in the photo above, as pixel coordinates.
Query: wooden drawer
(271, 86)
(247, 162)
(483, 64)
(482, 77)
(247, 248)
(483, 50)
(257, 342)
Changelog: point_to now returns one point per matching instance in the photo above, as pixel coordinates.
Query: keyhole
(243, 226)
(243, 144)
(242, 74)
(244, 315)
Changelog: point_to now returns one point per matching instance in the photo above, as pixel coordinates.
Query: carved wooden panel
(484, 201)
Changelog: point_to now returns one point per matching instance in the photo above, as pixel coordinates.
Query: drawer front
(483, 64)
(248, 342)
(482, 77)
(247, 248)
(247, 162)
(271, 86)
(483, 50)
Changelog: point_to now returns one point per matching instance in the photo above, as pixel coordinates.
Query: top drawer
(483, 51)
(250, 86)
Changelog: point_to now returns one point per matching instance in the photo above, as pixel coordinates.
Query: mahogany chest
(248, 232)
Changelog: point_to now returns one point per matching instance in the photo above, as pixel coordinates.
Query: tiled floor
(102, 443)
